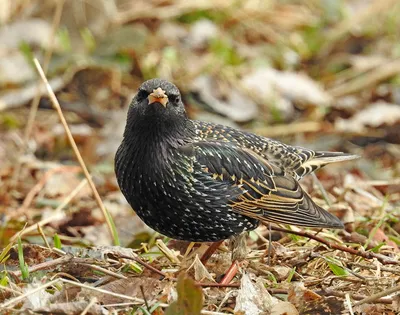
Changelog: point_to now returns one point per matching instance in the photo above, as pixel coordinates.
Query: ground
(324, 75)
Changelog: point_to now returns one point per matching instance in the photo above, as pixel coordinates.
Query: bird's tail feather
(308, 214)
(323, 158)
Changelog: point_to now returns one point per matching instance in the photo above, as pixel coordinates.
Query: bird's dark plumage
(199, 181)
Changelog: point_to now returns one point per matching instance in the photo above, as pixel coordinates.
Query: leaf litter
(304, 73)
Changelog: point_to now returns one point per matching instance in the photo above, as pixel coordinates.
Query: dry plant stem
(218, 285)
(35, 101)
(230, 274)
(144, 298)
(322, 189)
(382, 268)
(210, 250)
(57, 106)
(347, 302)
(368, 255)
(23, 296)
(347, 25)
(330, 292)
(105, 271)
(144, 264)
(367, 79)
(39, 186)
(92, 302)
(46, 264)
(56, 211)
(136, 301)
(40, 230)
(7, 289)
(377, 296)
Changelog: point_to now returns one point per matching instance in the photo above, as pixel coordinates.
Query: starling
(203, 182)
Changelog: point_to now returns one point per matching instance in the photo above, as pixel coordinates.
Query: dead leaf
(200, 271)
(190, 298)
(296, 87)
(284, 308)
(72, 307)
(253, 299)
(375, 115)
(31, 31)
(130, 286)
(235, 105)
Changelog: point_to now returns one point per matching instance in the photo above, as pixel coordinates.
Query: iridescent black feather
(198, 181)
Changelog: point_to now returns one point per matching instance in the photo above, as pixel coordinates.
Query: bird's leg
(210, 250)
(239, 252)
(238, 246)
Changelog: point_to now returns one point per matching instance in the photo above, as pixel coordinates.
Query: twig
(126, 297)
(103, 270)
(377, 296)
(9, 290)
(144, 264)
(30, 292)
(218, 285)
(144, 298)
(365, 80)
(56, 214)
(330, 292)
(269, 244)
(381, 268)
(368, 255)
(39, 186)
(348, 303)
(57, 106)
(322, 189)
(167, 252)
(89, 306)
(40, 230)
(47, 264)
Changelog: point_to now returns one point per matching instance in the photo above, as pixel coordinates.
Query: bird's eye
(142, 94)
(176, 99)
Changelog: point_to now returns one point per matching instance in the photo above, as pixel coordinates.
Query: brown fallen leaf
(130, 286)
(190, 298)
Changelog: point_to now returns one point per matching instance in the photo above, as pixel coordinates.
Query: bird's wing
(267, 192)
(296, 161)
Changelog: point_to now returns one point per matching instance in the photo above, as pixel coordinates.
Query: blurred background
(322, 74)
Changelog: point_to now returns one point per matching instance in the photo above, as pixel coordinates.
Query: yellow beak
(159, 96)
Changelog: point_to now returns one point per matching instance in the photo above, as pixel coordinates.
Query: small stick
(57, 106)
(89, 306)
(56, 214)
(144, 298)
(330, 292)
(378, 295)
(106, 271)
(30, 292)
(269, 245)
(144, 264)
(38, 187)
(322, 190)
(40, 230)
(47, 264)
(368, 255)
(218, 285)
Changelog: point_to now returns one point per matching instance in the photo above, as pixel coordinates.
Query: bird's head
(157, 114)
(158, 99)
